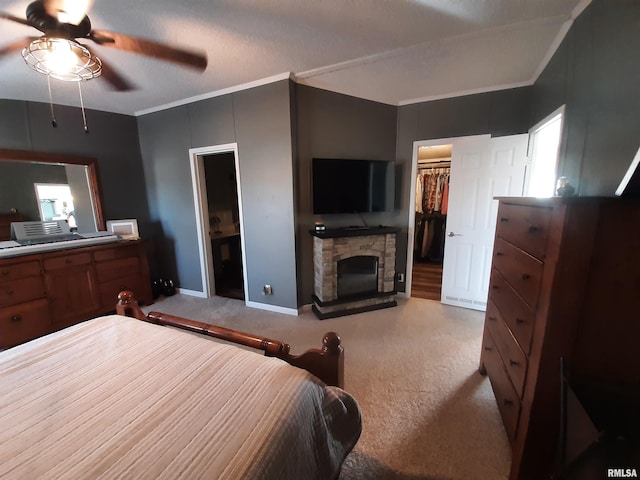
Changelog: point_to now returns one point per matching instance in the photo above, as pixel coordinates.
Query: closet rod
(434, 167)
(443, 163)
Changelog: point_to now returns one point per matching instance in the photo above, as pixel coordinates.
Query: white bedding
(116, 397)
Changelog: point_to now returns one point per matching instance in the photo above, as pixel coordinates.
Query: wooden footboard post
(128, 306)
(326, 363)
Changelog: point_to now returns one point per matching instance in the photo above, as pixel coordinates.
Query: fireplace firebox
(357, 276)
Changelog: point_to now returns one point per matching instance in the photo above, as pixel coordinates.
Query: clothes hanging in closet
(432, 199)
(432, 190)
(429, 237)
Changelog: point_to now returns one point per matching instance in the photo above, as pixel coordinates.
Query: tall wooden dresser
(565, 282)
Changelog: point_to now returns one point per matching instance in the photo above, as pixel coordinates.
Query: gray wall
(112, 140)
(505, 112)
(164, 145)
(332, 125)
(259, 120)
(596, 73)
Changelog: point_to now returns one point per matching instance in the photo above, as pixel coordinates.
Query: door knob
(451, 234)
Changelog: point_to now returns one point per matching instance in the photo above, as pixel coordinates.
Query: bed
(135, 396)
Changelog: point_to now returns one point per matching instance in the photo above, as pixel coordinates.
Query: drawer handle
(68, 260)
(5, 273)
(16, 318)
(499, 254)
(514, 363)
(508, 402)
(526, 276)
(488, 349)
(519, 321)
(493, 319)
(504, 219)
(533, 228)
(495, 287)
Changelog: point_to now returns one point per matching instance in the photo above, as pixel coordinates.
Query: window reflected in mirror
(56, 203)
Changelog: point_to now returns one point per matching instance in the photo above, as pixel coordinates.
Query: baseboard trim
(191, 293)
(272, 308)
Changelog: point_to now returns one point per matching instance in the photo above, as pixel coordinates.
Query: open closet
(431, 204)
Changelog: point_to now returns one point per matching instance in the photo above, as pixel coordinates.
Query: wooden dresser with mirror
(565, 283)
(44, 292)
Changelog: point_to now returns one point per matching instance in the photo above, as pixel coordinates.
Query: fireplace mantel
(353, 232)
(334, 245)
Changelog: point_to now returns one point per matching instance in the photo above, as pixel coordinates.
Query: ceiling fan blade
(12, 18)
(16, 46)
(115, 80)
(67, 11)
(180, 56)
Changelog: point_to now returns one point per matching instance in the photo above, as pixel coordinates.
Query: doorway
(217, 197)
(431, 206)
(224, 224)
(481, 168)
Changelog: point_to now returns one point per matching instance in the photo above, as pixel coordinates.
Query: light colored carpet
(427, 412)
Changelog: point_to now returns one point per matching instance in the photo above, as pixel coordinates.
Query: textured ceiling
(390, 51)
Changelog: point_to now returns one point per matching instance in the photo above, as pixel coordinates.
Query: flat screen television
(352, 186)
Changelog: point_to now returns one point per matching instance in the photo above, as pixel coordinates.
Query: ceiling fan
(57, 52)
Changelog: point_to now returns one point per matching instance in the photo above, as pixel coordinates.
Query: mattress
(116, 397)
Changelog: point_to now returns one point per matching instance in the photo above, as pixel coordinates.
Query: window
(544, 144)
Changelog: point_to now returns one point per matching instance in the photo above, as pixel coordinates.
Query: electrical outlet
(400, 277)
(267, 290)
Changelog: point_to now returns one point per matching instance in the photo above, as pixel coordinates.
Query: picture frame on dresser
(126, 229)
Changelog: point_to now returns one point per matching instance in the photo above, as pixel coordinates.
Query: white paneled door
(481, 169)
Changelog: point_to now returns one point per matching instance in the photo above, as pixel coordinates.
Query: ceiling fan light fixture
(62, 58)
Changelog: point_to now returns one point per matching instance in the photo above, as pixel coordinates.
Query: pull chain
(54, 124)
(84, 118)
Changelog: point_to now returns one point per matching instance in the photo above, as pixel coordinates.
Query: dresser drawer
(506, 397)
(19, 270)
(21, 323)
(515, 312)
(116, 253)
(512, 356)
(525, 226)
(522, 271)
(66, 261)
(109, 290)
(117, 269)
(21, 290)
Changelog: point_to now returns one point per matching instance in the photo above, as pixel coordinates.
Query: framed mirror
(44, 186)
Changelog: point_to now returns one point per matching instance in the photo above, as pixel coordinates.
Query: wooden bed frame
(326, 363)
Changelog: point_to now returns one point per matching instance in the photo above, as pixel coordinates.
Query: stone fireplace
(354, 270)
